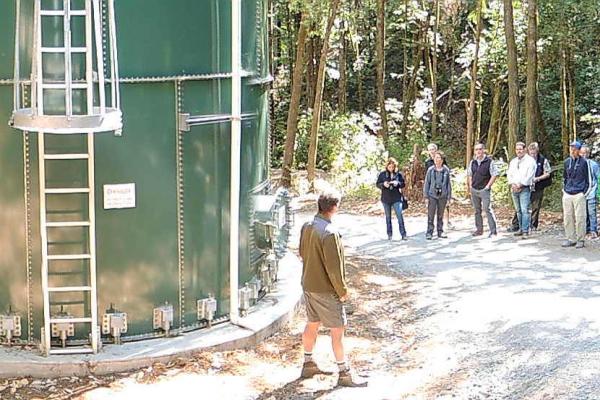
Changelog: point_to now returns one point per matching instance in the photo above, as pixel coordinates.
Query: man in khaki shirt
(325, 290)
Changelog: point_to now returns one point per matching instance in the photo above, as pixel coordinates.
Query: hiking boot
(567, 243)
(477, 233)
(310, 369)
(579, 244)
(512, 229)
(404, 238)
(442, 235)
(345, 379)
(519, 233)
(429, 236)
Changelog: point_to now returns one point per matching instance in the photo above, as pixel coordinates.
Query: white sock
(308, 356)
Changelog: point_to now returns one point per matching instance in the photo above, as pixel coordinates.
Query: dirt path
(456, 318)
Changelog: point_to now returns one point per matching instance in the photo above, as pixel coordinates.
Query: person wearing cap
(542, 179)
(592, 217)
(481, 175)
(520, 174)
(576, 187)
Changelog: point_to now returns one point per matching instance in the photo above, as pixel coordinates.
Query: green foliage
(402, 150)
(364, 191)
(563, 24)
(347, 150)
(553, 194)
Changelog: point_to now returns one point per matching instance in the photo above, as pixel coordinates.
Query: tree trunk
(433, 73)
(411, 91)
(479, 106)
(316, 120)
(571, 85)
(513, 78)
(296, 93)
(531, 108)
(473, 89)
(564, 102)
(343, 84)
(493, 135)
(405, 71)
(380, 58)
(451, 88)
(542, 135)
(310, 73)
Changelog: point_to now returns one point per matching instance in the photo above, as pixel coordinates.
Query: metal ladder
(87, 258)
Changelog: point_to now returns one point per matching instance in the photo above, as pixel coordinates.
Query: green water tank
(161, 182)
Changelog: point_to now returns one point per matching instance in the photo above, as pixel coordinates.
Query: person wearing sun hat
(576, 185)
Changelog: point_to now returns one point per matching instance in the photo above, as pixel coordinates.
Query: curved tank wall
(175, 58)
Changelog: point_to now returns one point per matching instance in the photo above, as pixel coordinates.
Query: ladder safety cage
(74, 49)
(61, 101)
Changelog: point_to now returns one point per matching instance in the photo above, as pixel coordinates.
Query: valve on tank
(207, 308)
(10, 326)
(114, 323)
(265, 276)
(244, 295)
(62, 330)
(255, 286)
(163, 318)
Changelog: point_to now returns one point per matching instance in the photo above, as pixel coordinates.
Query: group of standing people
(528, 175)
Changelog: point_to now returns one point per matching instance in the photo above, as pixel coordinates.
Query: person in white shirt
(521, 172)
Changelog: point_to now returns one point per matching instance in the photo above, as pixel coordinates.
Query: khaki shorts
(325, 308)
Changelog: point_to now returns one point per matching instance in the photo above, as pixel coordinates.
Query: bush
(553, 194)
(346, 150)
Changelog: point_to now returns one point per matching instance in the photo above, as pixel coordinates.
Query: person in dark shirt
(390, 182)
(576, 187)
(481, 175)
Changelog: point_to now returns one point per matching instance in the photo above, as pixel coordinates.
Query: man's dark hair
(327, 201)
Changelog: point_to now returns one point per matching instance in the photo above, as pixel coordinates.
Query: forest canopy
(368, 78)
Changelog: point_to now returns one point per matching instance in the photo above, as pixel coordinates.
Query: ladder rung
(73, 350)
(60, 13)
(70, 289)
(70, 320)
(63, 50)
(67, 224)
(64, 86)
(67, 190)
(67, 156)
(52, 13)
(69, 257)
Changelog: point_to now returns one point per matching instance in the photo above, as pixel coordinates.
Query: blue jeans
(388, 217)
(521, 201)
(592, 217)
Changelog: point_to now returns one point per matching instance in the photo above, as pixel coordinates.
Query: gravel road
(456, 318)
(499, 318)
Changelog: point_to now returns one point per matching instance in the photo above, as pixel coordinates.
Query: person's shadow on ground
(295, 390)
